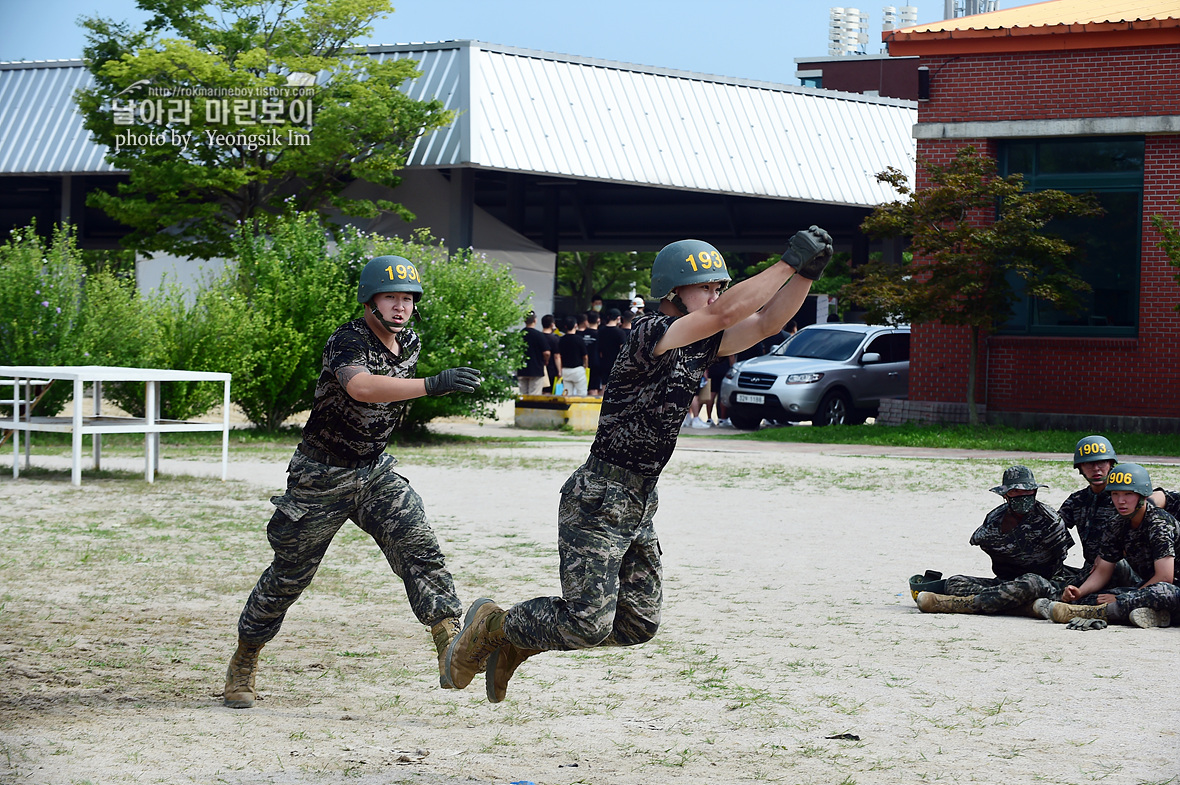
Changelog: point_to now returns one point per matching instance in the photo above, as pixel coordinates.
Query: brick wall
(1126, 82)
(1134, 376)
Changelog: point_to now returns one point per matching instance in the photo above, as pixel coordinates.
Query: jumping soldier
(610, 556)
(340, 470)
(1148, 538)
(1027, 543)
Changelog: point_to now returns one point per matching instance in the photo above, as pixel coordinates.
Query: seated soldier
(1148, 538)
(1027, 543)
(1094, 457)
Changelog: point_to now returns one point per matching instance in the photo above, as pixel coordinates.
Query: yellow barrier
(554, 411)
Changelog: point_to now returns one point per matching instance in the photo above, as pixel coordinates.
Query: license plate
(745, 398)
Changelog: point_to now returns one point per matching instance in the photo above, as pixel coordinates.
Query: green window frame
(1109, 247)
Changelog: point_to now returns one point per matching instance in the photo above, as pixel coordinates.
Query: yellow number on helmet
(692, 261)
(718, 262)
(389, 271)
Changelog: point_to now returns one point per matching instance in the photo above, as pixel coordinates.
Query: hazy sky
(751, 39)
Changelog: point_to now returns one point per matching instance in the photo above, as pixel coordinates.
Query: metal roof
(1055, 25)
(527, 111)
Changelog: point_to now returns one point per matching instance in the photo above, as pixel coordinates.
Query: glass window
(1108, 247)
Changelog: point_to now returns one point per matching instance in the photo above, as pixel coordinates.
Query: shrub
(40, 298)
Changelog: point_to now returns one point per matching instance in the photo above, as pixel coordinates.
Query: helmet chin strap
(391, 327)
(678, 304)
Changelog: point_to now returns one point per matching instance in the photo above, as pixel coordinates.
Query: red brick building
(1079, 95)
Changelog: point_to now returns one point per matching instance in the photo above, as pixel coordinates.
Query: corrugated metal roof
(1059, 12)
(527, 111)
(40, 128)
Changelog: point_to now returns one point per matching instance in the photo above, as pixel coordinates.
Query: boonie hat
(1017, 478)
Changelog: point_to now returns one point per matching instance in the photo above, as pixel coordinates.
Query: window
(1111, 168)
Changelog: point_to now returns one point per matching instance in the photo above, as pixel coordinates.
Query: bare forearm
(369, 388)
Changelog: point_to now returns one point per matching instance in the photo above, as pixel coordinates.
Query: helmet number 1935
(706, 260)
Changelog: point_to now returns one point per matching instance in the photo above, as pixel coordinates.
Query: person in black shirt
(574, 360)
(340, 471)
(611, 338)
(532, 374)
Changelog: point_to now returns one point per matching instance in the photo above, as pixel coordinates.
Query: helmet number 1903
(706, 260)
(402, 272)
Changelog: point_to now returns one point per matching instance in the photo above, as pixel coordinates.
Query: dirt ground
(790, 649)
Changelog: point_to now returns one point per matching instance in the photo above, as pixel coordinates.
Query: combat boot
(1062, 612)
(443, 633)
(1149, 617)
(929, 602)
(481, 635)
(502, 663)
(1042, 608)
(239, 676)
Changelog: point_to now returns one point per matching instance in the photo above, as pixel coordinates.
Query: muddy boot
(239, 676)
(480, 636)
(929, 602)
(1062, 612)
(443, 633)
(1145, 618)
(502, 663)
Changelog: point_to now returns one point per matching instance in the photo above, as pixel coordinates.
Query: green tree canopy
(608, 275)
(973, 235)
(223, 111)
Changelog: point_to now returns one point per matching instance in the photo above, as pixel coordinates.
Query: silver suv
(831, 374)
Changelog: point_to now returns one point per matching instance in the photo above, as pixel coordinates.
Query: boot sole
(1151, 619)
(490, 676)
(239, 704)
(467, 620)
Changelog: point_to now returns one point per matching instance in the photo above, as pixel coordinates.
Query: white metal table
(97, 424)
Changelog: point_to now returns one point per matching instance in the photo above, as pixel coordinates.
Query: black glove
(1086, 624)
(809, 252)
(462, 379)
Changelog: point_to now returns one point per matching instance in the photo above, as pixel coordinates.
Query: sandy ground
(790, 649)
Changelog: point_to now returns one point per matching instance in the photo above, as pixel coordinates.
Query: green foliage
(190, 179)
(609, 275)
(972, 233)
(471, 314)
(1169, 244)
(837, 275)
(287, 292)
(290, 290)
(40, 299)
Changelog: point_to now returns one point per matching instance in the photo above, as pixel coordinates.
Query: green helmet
(1094, 448)
(1129, 477)
(931, 581)
(388, 274)
(686, 262)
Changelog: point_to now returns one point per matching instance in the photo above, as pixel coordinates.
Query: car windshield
(821, 344)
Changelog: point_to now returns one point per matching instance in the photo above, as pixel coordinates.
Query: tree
(608, 275)
(1169, 243)
(210, 110)
(973, 235)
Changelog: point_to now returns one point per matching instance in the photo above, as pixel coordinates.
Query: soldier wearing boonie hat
(1027, 543)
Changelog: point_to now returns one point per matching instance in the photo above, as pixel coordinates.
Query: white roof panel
(528, 111)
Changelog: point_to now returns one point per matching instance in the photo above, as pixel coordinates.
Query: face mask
(1021, 505)
(596, 308)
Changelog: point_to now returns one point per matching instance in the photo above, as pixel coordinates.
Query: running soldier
(1027, 543)
(340, 470)
(1148, 538)
(610, 556)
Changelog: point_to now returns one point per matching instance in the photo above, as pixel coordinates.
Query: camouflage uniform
(1084, 511)
(1025, 560)
(1156, 537)
(610, 556)
(340, 471)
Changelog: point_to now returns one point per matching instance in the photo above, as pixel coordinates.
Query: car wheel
(834, 409)
(745, 422)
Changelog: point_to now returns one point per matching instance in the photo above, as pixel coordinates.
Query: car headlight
(804, 378)
(731, 373)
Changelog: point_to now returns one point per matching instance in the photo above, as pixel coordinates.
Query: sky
(746, 39)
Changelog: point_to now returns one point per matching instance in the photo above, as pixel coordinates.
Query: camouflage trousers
(1123, 575)
(319, 499)
(1157, 596)
(610, 567)
(994, 595)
